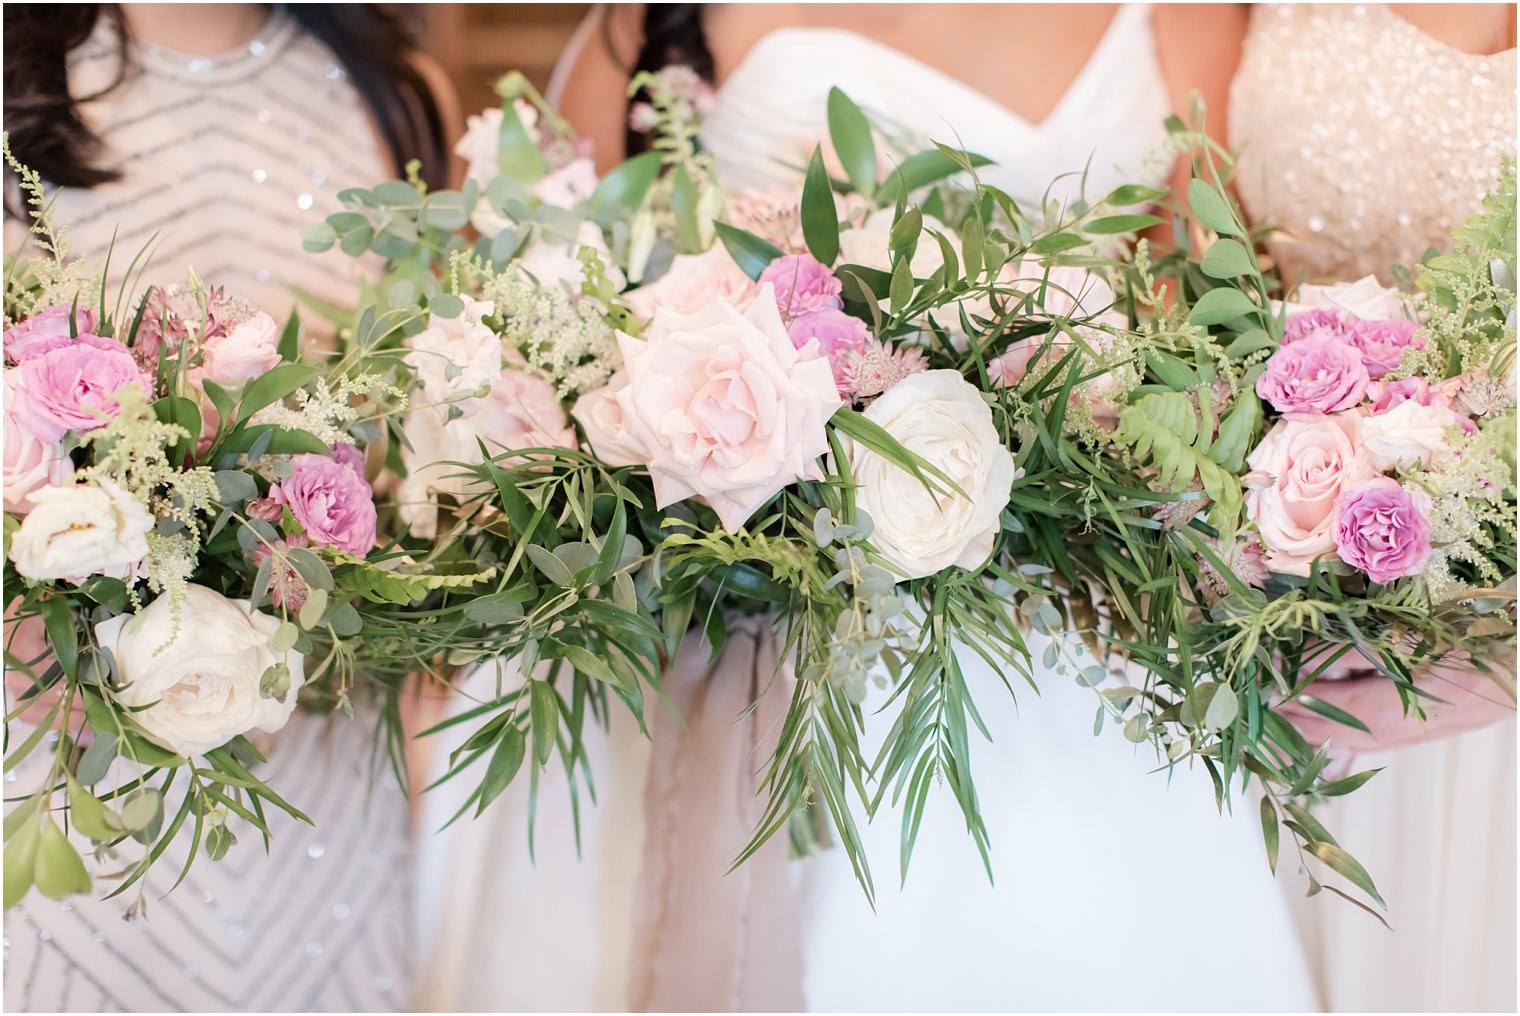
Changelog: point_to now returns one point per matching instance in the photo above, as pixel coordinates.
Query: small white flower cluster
(1467, 498)
(325, 410)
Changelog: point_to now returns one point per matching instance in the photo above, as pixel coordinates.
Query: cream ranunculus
(456, 356)
(942, 418)
(719, 405)
(199, 676)
(866, 245)
(73, 532)
(1298, 471)
(1407, 435)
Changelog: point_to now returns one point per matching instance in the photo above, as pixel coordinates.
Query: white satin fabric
(1114, 891)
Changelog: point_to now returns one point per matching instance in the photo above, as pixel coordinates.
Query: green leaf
(517, 153)
(901, 292)
(1212, 209)
(1114, 224)
(1330, 712)
(1055, 243)
(90, 815)
(751, 253)
(820, 220)
(1248, 342)
(318, 237)
(1134, 194)
(20, 861)
(1226, 259)
(182, 413)
(1223, 708)
(505, 761)
(543, 711)
(1269, 831)
(447, 210)
(923, 168)
(1337, 859)
(1346, 784)
(850, 134)
(553, 569)
(59, 870)
(622, 189)
(267, 389)
(97, 758)
(906, 230)
(1221, 306)
(683, 202)
(62, 635)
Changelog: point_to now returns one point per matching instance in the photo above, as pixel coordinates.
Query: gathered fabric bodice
(1363, 139)
(224, 159)
(772, 110)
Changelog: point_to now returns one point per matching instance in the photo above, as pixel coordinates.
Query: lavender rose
(1384, 529)
(803, 285)
(1312, 323)
(331, 501)
(1318, 374)
(70, 388)
(838, 336)
(46, 331)
(1382, 343)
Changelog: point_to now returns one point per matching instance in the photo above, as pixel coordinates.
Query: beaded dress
(1365, 141)
(226, 158)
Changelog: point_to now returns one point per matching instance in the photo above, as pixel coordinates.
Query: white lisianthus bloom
(73, 532)
(199, 676)
(942, 418)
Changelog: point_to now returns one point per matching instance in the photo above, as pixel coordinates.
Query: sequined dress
(1366, 141)
(227, 157)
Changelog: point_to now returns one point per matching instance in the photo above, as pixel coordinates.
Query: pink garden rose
(330, 501)
(70, 388)
(837, 334)
(802, 284)
(568, 185)
(719, 406)
(1384, 395)
(1384, 529)
(1318, 374)
(693, 282)
(30, 464)
(1299, 471)
(455, 357)
(46, 331)
(1382, 343)
(1314, 323)
(350, 456)
(248, 350)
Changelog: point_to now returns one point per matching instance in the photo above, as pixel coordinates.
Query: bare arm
(595, 94)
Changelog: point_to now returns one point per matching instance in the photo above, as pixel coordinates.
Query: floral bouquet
(654, 406)
(190, 545)
(1332, 480)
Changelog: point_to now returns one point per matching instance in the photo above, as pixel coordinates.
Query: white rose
(482, 139)
(944, 419)
(552, 263)
(1366, 298)
(866, 245)
(1407, 435)
(691, 284)
(199, 677)
(74, 532)
(462, 347)
(248, 351)
(30, 464)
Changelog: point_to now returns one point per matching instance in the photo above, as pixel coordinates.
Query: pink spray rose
(1318, 374)
(803, 285)
(351, 456)
(248, 350)
(692, 283)
(455, 357)
(1382, 343)
(1384, 395)
(837, 334)
(46, 331)
(1314, 323)
(718, 405)
(1383, 529)
(568, 185)
(70, 388)
(1299, 470)
(330, 501)
(30, 464)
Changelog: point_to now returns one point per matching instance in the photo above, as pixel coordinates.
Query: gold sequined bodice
(1362, 138)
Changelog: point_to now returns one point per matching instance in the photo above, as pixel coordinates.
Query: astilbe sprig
(50, 277)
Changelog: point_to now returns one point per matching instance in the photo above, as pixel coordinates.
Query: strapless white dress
(1110, 884)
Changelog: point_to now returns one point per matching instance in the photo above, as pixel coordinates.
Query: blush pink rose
(1383, 343)
(1366, 299)
(719, 406)
(1409, 434)
(802, 284)
(1299, 471)
(30, 464)
(248, 350)
(46, 331)
(568, 185)
(1317, 374)
(330, 501)
(70, 388)
(1384, 529)
(693, 282)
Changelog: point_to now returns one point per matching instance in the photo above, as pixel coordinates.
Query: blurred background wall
(477, 43)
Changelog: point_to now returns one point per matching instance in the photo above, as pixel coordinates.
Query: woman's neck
(196, 29)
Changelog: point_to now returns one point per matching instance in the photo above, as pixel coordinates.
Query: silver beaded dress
(1365, 141)
(225, 158)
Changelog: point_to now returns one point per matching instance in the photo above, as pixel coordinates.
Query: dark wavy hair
(673, 34)
(48, 133)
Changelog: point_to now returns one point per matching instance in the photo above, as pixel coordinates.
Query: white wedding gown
(1114, 889)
